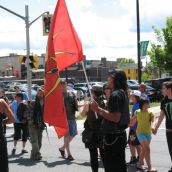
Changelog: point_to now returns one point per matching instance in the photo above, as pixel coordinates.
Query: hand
(94, 106)
(154, 131)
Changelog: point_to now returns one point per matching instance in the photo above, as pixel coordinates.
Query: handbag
(87, 136)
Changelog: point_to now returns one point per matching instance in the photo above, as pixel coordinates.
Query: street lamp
(26, 19)
(138, 41)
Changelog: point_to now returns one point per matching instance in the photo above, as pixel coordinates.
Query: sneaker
(62, 152)
(13, 152)
(70, 158)
(24, 151)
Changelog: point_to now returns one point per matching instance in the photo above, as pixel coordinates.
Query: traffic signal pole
(138, 41)
(29, 75)
(26, 19)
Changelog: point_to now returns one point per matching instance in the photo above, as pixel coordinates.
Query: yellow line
(53, 88)
(61, 52)
(53, 58)
(57, 33)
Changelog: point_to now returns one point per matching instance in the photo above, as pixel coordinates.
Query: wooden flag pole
(88, 85)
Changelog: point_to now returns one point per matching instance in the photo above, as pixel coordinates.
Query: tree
(167, 32)
(124, 61)
(157, 56)
(149, 72)
(161, 52)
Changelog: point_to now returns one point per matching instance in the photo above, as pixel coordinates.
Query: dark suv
(157, 83)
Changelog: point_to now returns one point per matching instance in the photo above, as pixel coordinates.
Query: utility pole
(138, 41)
(26, 19)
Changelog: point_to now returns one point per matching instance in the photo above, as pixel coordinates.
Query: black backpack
(21, 111)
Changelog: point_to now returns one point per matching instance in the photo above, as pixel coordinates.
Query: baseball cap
(136, 93)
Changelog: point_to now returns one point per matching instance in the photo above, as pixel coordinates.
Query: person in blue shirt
(133, 141)
(20, 127)
(18, 90)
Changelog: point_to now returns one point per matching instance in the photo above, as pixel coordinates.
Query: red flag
(64, 49)
(67, 46)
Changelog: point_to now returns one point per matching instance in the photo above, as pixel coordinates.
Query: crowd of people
(107, 118)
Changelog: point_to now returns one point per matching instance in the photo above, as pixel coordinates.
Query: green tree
(145, 76)
(157, 56)
(167, 32)
(124, 61)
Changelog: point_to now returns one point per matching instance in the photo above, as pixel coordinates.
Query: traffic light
(46, 23)
(34, 61)
(22, 59)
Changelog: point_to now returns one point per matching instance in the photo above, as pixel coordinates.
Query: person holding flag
(63, 50)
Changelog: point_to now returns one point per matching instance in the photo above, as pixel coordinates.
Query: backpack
(21, 111)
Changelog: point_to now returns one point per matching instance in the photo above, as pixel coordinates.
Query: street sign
(143, 48)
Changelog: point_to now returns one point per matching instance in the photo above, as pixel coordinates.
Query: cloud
(106, 28)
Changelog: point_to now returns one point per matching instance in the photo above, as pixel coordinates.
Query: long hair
(119, 79)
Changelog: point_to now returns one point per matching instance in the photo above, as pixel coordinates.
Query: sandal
(70, 158)
(152, 170)
(62, 152)
(140, 167)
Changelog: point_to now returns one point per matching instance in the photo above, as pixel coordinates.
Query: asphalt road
(52, 161)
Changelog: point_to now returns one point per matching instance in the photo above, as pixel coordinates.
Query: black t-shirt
(166, 106)
(118, 102)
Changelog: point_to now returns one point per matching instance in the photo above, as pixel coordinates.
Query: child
(133, 141)
(145, 122)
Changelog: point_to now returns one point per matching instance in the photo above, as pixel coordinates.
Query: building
(131, 71)
(97, 70)
(10, 65)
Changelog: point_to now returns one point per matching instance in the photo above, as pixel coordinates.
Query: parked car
(79, 94)
(157, 84)
(150, 91)
(83, 87)
(132, 82)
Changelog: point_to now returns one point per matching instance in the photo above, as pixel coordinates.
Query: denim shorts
(144, 136)
(72, 127)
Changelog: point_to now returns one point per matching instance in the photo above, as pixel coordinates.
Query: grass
(152, 104)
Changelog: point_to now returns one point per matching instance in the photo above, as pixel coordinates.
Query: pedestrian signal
(46, 23)
(34, 61)
(22, 59)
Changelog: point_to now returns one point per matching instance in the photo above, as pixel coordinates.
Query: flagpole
(88, 85)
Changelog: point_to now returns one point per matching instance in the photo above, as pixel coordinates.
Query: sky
(107, 28)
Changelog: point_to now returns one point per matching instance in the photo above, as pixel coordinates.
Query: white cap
(136, 93)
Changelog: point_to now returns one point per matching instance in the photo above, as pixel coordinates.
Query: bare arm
(6, 109)
(85, 109)
(133, 120)
(160, 119)
(111, 116)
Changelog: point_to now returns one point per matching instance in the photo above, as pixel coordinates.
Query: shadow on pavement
(134, 169)
(56, 163)
(24, 161)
